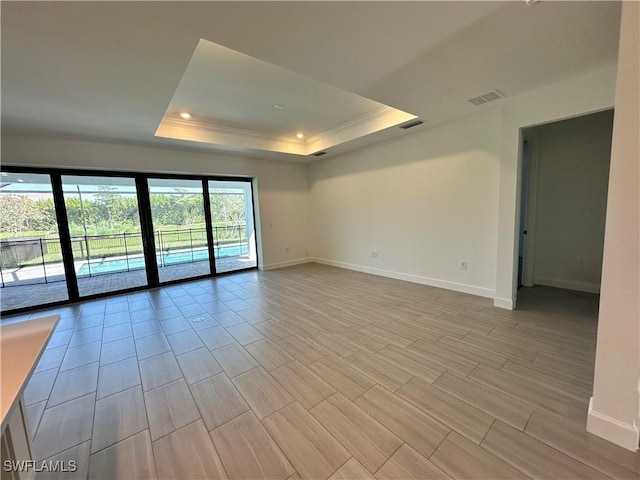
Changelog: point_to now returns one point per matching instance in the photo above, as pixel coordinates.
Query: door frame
(528, 260)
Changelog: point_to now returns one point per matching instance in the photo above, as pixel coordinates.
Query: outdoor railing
(112, 253)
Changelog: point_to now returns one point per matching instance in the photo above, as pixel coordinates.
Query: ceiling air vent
(487, 97)
(318, 154)
(411, 124)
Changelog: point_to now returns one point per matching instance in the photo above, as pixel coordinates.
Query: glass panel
(177, 210)
(31, 269)
(104, 223)
(233, 230)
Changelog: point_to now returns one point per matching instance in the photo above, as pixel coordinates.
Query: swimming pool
(113, 265)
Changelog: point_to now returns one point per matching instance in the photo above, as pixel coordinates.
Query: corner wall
(423, 203)
(282, 189)
(614, 410)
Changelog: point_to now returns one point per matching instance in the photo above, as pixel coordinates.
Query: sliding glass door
(232, 225)
(67, 235)
(106, 238)
(31, 267)
(179, 228)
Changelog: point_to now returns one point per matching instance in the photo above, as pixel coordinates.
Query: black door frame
(146, 225)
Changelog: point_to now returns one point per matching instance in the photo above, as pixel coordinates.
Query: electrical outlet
(374, 254)
(463, 264)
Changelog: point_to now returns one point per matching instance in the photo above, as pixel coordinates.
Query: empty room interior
(313, 240)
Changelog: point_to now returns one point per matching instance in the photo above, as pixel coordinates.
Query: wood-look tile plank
(152, 345)
(273, 330)
(215, 337)
(131, 458)
(364, 342)
(39, 387)
(263, 393)
(81, 355)
(594, 451)
(169, 407)
(34, 414)
(441, 356)
(74, 383)
(313, 451)
(234, 359)
(387, 336)
(116, 351)
(345, 379)
(501, 346)
(244, 333)
(510, 410)
(198, 365)
(301, 349)
(417, 429)
(379, 370)
(307, 387)
(444, 328)
(247, 450)
(79, 454)
(523, 389)
(117, 417)
(415, 364)
(218, 400)
(64, 426)
(118, 376)
(459, 415)
(146, 328)
(159, 370)
(352, 470)
(533, 457)
(51, 358)
(184, 341)
(473, 352)
(461, 458)
(333, 343)
(367, 440)
(407, 464)
(268, 354)
(566, 385)
(188, 453)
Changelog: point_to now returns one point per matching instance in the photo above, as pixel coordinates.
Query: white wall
(572, 172)
(587, 93)
(282, 203)
(424, 202)
(614, 411)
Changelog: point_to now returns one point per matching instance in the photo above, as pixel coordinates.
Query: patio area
(25, 287)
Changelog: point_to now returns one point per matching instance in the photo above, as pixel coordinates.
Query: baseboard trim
(432, 282)
(623, 434)
(502, 302)
(568, 284)
(288, 263)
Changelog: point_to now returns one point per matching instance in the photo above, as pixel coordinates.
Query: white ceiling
(232, 99)
(108, 70)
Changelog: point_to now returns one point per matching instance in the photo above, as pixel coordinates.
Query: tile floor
(317, 372)
(27, 293)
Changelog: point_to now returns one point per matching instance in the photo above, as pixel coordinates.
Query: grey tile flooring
(318, 372)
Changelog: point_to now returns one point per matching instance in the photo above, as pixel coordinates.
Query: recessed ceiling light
(185, 115)
(5, 174)
(279, 106)
(21, 180)
(300, 135)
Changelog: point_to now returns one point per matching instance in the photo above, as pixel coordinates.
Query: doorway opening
(563, 201)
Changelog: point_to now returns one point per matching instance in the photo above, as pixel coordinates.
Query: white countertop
(21, 345)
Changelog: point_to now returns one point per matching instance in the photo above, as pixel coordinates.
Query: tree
(19, 214)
